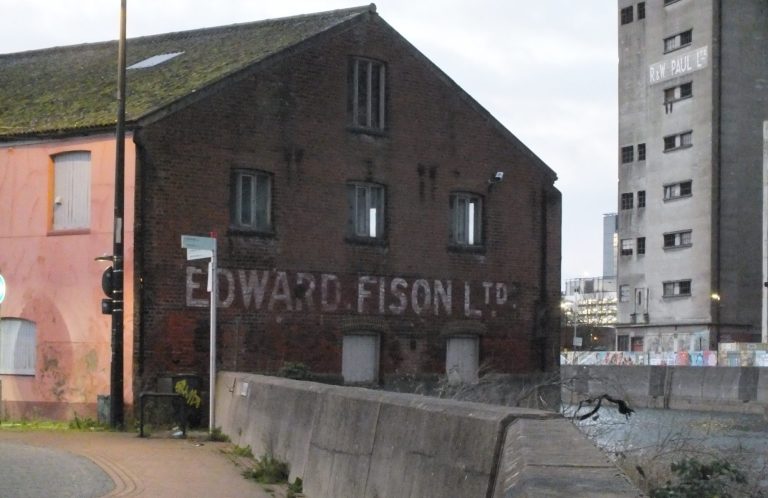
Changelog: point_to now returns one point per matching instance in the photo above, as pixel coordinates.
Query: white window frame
(679, 239)
(681, 141)
(71, 193)
(369, 108)
(627, 247)
(675, 93)
(252, 200)
(466, 219)
(18, 346)
(676, 288)
(367, 204)
(678, 41)
(673, 191)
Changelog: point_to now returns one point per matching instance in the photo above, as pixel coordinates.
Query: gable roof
(64, 89)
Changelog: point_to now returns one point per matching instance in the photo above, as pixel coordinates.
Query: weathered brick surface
(290, 119)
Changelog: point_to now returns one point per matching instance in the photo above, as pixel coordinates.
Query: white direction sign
(202, 248)
(198, 247)
(2, 289)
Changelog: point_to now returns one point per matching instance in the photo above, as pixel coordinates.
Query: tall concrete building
(693, 92)
(610, 245)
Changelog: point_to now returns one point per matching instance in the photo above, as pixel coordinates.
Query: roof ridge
(194, 31)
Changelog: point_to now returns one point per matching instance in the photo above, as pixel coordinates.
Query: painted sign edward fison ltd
(282, 291)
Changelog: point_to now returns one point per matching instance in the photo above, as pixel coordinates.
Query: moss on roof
(65, 88)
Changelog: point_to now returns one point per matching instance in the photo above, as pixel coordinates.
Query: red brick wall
(290, 119)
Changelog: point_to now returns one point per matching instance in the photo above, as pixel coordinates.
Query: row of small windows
(672, 240)
(670, 288)
(672, 191)
(627, 13)
(671, 142)
(252, 201)
(628, 200)
(628, 153)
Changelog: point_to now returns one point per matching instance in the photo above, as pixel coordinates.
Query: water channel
(660, 436)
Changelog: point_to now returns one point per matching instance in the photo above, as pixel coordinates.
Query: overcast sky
(545, 69)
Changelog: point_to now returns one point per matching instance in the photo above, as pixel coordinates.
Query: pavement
(48, 463)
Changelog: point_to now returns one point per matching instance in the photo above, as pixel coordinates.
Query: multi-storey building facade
(692, 97)
(372, 220)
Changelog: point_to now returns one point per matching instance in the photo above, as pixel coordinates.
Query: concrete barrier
(354, 442)
(736, 389)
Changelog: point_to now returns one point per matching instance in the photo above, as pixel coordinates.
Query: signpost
(204, 248)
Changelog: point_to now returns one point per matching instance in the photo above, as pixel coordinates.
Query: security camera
(498, 176)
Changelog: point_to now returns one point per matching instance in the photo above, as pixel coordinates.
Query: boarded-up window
(360, 358)
(17, 347)
(71, 191)
(462, 359)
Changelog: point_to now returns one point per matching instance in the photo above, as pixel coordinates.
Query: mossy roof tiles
(68, 88)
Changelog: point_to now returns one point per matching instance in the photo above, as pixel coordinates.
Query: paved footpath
(94, 464)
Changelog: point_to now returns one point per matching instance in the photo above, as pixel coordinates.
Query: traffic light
(107, 284)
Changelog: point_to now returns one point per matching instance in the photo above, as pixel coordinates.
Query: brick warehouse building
(372, 219)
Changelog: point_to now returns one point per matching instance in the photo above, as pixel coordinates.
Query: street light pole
(116, 365)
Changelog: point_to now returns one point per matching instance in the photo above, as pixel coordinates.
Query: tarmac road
(31, 472)
(48, 464)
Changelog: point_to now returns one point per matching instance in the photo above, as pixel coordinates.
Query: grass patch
(268, 470)
(294, 488)
(218, 436)
(76, 424)
(242, 451)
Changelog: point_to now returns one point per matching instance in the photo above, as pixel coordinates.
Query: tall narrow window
(641, 198)
(641, 11)
(627, 200)
(641, 245)
(466, 219)
(641, 152)
(366, 210)
(627, 247)
(626, 15)
(252, 200)
(368, 93)
(627, 154)
(71, 191)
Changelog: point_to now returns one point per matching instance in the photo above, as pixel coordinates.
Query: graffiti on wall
(284, 291)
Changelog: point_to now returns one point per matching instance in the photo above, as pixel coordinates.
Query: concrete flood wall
(354, 442)
(726, 389)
